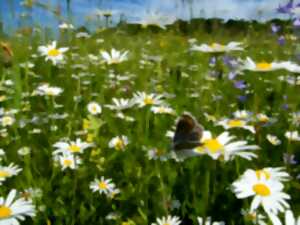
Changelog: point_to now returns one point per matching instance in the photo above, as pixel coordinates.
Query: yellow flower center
(260, 173)
(53, 52)
(74, 148)
(4, 174)
(5, 212)
(263, 66)
(119, 144)
(94, 109)
(67, 162)
(102, 185)
(262, 190)
(213, 145)
(217, 46)
(159, 152)
(236, 123)
(148, 101)
(114, 61)
(166, 224)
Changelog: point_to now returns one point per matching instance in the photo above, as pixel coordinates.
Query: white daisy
(73, 147)
(249, 64)
(115, 57)
(292, 135)
(169, 220)
(103, 185)
(12, 210)
(273, 139)
(7, 120)
(119, 142)
(94, 108)
(266, 192)
(157, 154)
(154, 19)
(45, 89)
(68, 160)
(143, 99)
(208, 221)
(56, 55)
(223, 146)
(236, 123)
(218, 48)
(8, 171)
(242, 114)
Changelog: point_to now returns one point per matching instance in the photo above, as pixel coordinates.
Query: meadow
(86, 133)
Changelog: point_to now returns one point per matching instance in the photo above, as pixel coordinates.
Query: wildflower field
(88, 119)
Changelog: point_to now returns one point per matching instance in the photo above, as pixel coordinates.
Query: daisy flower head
(114, 57)
(94, 108)
(8, 171)
(224, 147)
(73, 147)
(7, 120)
(157, 154)
(249, 64)
(242, 114)
(265, 191)
(105, 186)
(155, 19)
(12, 210)
(168, 220)
(68, 160)
(253, 217)
(47, 90)
(208, 221)
(273, 139)
(144, 99)
(119, 143)
(236, 123)
(52, 53)
(218, 48)
(292, 135)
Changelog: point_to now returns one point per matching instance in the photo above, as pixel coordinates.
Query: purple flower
(289, 159)
(285, 9)
(240, 84)
(275, 28)
(296, 23)
(281, 40)
(242, 98)
(212, 61)
(230, 62)
(232, 75)
(285, 106)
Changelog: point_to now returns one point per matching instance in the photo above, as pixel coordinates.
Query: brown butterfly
(7, 54)
(188, 133)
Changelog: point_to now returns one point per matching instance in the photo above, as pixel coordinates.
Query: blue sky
(83, 10)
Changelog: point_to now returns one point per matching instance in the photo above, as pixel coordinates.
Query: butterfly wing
(188, 133)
